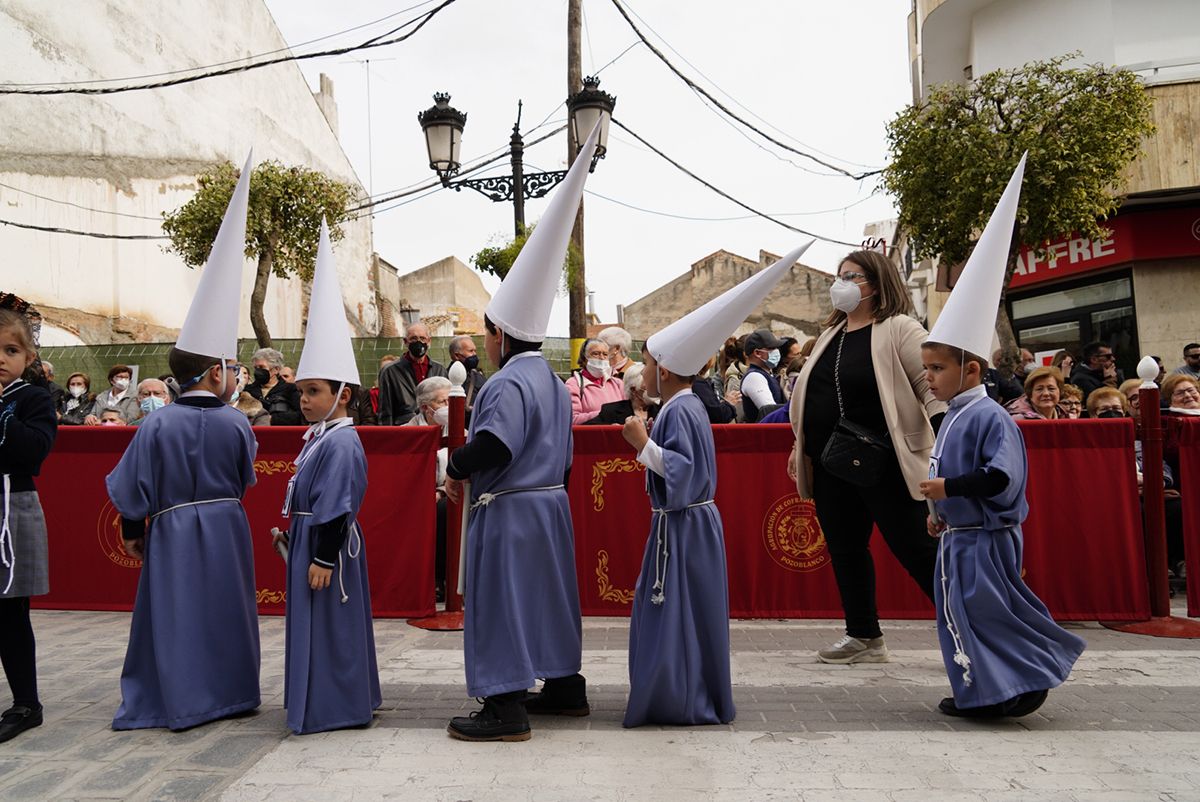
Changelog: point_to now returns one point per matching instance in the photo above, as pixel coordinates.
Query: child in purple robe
(331, 679)
(193, 652)
(1002, 650)
(679, 632)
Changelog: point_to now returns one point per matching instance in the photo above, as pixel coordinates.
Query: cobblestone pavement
(1125, 727)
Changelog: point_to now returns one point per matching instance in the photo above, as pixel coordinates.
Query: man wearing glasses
(1191, 361)
(1097, 369)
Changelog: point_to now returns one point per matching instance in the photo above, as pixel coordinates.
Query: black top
(860, 394)
(398, 391)
(749, 408)
(282, 402)
(980, 483)
(719, 410)
(27, 428)
(1000, 388)
(329, 538)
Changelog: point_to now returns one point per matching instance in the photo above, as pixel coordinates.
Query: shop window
(1074, 298)
(1052, 337)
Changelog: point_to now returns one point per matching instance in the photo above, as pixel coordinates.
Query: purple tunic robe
(679, 640)
(193, 652)
(521, 620)
(331, 678)
(998, 640)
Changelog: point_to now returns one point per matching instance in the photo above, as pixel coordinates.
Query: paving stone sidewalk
(1125, 727)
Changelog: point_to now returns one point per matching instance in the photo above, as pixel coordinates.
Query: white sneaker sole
(865, 656)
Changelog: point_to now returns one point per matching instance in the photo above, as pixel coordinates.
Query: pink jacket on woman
(588, 395)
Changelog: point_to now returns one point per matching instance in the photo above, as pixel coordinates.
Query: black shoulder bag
(854, 453)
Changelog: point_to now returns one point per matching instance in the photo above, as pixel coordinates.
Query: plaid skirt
(30, 570)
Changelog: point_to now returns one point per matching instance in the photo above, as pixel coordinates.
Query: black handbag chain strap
(837, 375)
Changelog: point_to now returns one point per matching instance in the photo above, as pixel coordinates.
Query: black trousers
(847, 513)
(439, 558)
(17, 651)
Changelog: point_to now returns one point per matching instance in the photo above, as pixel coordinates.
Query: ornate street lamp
(587, 107)
(443, 126)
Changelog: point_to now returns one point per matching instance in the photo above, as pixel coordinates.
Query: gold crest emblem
(792, 536)
(108, 532)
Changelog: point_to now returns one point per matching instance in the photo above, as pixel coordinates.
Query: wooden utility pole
(577, 291)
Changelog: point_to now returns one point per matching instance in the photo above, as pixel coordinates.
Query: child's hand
(934, 489)
(934, 527)
(792, 464)
(634, 433)
(318, 577)
(279, 537)
(136, 548)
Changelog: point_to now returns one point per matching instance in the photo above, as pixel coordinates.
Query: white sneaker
(852, 650)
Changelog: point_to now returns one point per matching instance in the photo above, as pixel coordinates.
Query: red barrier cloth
(1083, 539)
(89, 569)
(1185, 432)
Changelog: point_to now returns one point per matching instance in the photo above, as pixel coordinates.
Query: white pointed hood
(211, 325)
(684, 346)
(968, 320)
(521, 306)
(328, 352)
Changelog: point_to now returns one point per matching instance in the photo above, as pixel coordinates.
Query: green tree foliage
(499, 259)
(952, 155)
(282, 225)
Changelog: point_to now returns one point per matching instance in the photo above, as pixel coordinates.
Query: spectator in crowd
(1026, 365)
(112, 417)
(1162, 370)
(787, 352)
(1098, 369)
(1130, 389)
(245, 403)
(462, 349)
(735, 366)
(1001, 388)
(1108, 402)
(593, 385)
(287, 374)
(1182, 394)
(152, 395)
(1064, 361)
(1190, 366)
(279, 398)
(880, 377)
(56, 392)
(761, 390)
(77, 401)
(635, 402)
(620, 345)
(433, 409)
(398, 381)
(795, 366)
(1043, 391)
(1071, 400)
(118, 396)
(172, 386)
(384, 361)
(720, 410)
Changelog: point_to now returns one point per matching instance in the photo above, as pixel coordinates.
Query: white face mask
(845, 295)
(1030, 367)
(77, 390)
(121, 384)
(599, 367)
(441, 416)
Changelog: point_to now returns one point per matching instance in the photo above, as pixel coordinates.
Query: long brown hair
(891, 297)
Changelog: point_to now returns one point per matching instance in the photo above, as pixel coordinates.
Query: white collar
(1183, 411)
(198, 394)
(967, 396)
(13, 386)
(324, 427)
(684, 391)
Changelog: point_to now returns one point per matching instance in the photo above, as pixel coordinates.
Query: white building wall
(138, 153)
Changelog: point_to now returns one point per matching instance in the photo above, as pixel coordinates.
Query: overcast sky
(827, 75)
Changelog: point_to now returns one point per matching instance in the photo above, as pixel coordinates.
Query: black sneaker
(948, 707)
(1025, 703)
(17, 719)
(561, 696)
(502, 718)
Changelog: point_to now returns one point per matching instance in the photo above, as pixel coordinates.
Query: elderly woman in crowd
(620, 346)
(593, 385)
(433, 409)
(1130, 388)
(867, 368)
(280, 398)
(1043, 391)
(77, 401)
(118, 396)
(1071, 401)
(1182, 394)
(1108, 402)
(245, 403)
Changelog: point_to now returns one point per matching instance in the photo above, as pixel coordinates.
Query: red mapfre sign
(1134, 236)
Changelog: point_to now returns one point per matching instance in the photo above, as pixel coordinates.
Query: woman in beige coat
(871, 349)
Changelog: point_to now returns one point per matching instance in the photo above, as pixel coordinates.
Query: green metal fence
(151, 358)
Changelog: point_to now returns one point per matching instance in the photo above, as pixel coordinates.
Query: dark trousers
(847, 514)
(17, 651)
(439, 558)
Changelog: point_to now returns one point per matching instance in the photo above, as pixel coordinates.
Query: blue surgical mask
(773, 358)
(151, 403)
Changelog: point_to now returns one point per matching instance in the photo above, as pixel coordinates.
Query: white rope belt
(960, 655)
(487, 498)
(9, 557)
(352, 552)
(661, 554)
(192, 504)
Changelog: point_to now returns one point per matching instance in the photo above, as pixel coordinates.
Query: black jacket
(1089, 380)
(398, 391)
(282, 403)
(719, 410)
(1001, 389)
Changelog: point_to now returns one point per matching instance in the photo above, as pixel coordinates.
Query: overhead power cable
(376, 41)
(96, 234)
(79, 206)
(725, 194)
(701, 90)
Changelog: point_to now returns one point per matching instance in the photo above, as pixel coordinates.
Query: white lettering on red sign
(1074, 251)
